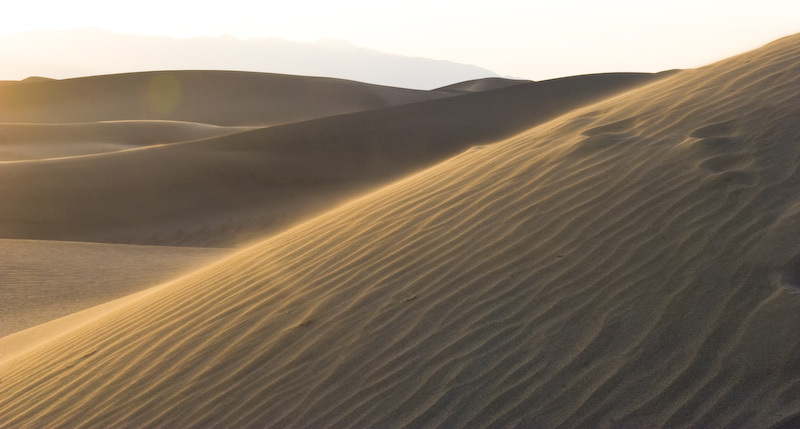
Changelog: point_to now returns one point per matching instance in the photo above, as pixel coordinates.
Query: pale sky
(529, 39)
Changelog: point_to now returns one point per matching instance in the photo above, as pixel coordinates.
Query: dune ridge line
(626, 264)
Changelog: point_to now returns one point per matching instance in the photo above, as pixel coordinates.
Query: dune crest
(228, 189)
(204, 96)
(615, 267)
(477, 85)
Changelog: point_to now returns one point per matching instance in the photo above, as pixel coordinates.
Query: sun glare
(532, 39)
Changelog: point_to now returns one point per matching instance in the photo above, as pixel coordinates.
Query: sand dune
(630, 264)
(21, 342)
(226, 190)
(93, 51)
(42, 141)
(31, 79)
(260, 99)
(484, 84)
(45, 280)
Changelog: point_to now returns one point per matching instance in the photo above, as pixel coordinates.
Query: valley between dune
(616, 251)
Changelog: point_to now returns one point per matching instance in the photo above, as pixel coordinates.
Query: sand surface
(484, 84)
(632, 263)
(260, 99)
(25, 142)
(228, 190)
(44, 280)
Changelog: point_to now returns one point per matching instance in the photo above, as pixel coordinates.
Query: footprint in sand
(714, 140)
(723, 155)
(790, 278)
(779, 250)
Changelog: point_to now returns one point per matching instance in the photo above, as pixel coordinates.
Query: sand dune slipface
(630, 264)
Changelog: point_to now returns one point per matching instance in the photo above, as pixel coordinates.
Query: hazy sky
(530, 39)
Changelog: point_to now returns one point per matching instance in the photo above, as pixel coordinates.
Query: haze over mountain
(92, 51)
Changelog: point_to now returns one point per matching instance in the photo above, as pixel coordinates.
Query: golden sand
(632, 263)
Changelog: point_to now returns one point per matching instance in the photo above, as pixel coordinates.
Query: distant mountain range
(90, 51)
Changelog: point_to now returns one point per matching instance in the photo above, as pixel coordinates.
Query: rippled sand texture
(44, 280)
(160, 182)
(632, 263)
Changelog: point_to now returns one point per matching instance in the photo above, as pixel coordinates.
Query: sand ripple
(628, 265)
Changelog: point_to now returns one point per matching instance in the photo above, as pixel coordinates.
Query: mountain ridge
(55, 53)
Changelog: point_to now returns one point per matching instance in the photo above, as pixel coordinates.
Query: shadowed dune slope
(484, 84)
(212, 97)
(630, 264)
(226, 190)
(40, 141)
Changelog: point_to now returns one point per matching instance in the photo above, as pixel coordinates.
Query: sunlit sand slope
(631, 264)
(237, 187)
(212, 97)
(44, 280)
